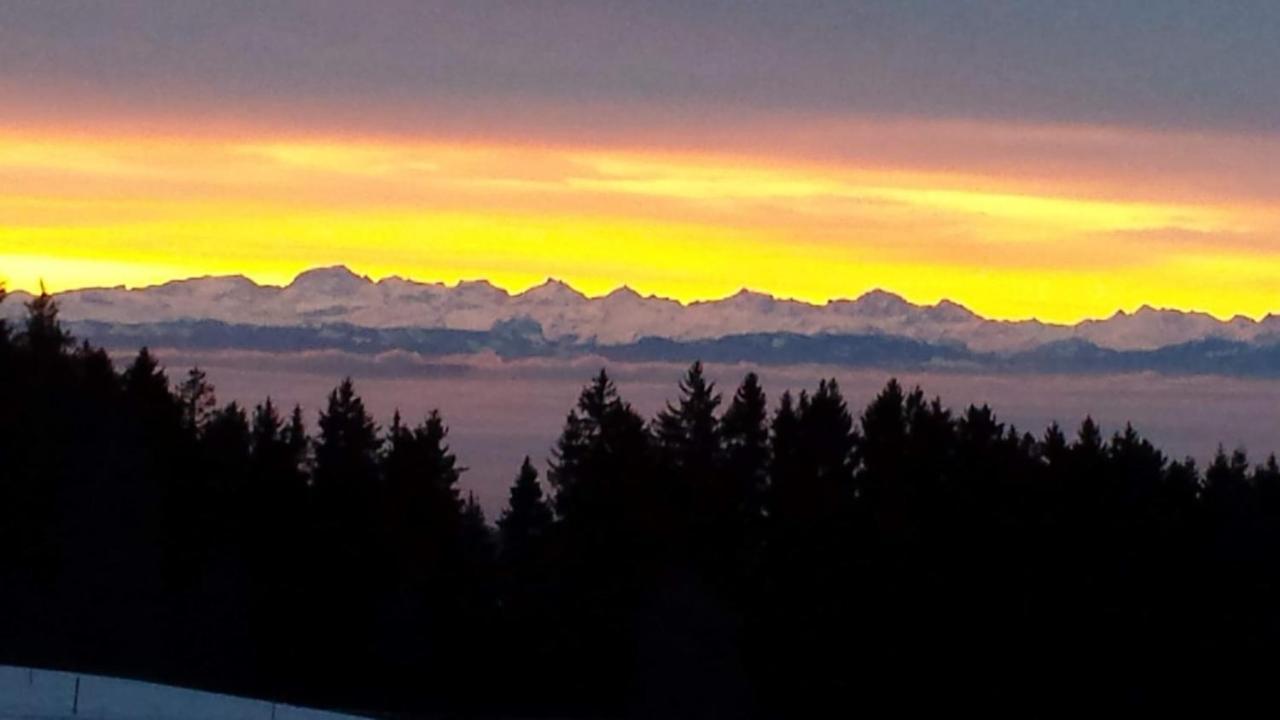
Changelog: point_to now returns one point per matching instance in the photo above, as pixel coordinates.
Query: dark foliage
(729, 562)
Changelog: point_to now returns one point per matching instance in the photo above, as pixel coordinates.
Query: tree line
(728, 557)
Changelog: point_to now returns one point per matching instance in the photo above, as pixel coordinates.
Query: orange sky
(1049, 160)
(1057, 222)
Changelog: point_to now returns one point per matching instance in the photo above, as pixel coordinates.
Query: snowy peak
(947, 311)
(880, 303)
(624, 294)
(333, 295)
(335, 279)
(552, 290)
(211, 285)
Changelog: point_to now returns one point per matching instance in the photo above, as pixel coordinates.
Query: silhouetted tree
(347, 448)
(146, 531)
(688, 443)
(342, 560)
(739, 501)
(615, 525)
(43, 334)
(527, 518)
(600, 461)
(198, 401)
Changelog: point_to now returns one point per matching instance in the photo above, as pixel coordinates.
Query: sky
(1027, 159)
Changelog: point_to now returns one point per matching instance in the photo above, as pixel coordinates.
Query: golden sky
(92, 209)
(684, 152)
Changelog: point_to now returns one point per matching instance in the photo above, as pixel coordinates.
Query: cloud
(1181, 64)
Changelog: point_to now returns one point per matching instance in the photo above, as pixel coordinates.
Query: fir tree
(785, 461)
(601, 454)
(745, 429)
(421, 475)
(196, 395)
(43, 333)
(347, 447)
(688, 433)
(527, 518)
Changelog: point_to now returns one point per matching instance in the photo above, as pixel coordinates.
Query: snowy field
(28, 694)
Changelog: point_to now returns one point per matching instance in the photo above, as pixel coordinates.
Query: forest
(734, 556)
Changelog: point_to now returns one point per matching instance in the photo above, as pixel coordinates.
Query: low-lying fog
(499, 412)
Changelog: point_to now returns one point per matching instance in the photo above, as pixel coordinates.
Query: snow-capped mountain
(336, 295)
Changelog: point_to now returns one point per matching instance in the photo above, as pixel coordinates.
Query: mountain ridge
(336, 294)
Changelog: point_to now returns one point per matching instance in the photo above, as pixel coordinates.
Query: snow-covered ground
(29, 694)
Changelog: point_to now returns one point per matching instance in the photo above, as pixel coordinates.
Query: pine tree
(687, 439)
(1226, 480)
(144, 377)
(267, 434)
(476, 537)
(828, 438)
(785, 466)
(196, 395)
(884, 433)
(44, 334)
(745, 428)
(527, 517)
(1266, 480)
(1089, 444)
(600, 456)
(1136, 463)
(226, 442)
(688, 433)
(344, 557)
(421, 475)
(1053, 448)
(347, 447)
(296, 439)
(147, 389)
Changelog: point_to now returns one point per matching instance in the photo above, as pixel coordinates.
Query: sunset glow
(79, 212)
(683, 152)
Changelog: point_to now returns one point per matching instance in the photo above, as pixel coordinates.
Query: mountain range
(334, 307)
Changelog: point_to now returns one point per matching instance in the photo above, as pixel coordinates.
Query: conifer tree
(527, 517)
(296, 439)
(687, 440)
(267, 444)
(196, 395)
(1053, 447)
(784, 458)
(615, 528)
(347, 447)
(600, 455)
(475, 535)
(884, 432)
(147, 388)
(144, 377)
(421, 476)
(688, 433)
(226, 440)
(1266, 481)
(827, 436)
(1089, 445)
(745, 429)
(1226, 479)
(43, 333)
(1182, 482)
